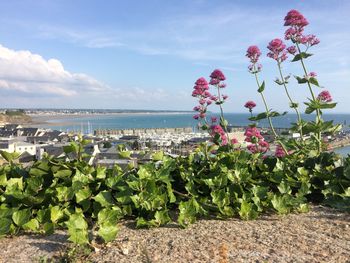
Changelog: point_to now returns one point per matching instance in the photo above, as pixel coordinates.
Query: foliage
(55, 193)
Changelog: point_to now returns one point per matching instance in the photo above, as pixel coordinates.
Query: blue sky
(147, 54)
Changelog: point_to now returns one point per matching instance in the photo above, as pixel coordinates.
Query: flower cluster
(324, 96)
(253, 53)
(256, 140)
(216, 77)
(201, 91)
(297, 22)
(217, 132)
(277, 50)
(279, 151)
(250, 105)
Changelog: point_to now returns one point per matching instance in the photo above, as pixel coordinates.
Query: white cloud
(23, 73)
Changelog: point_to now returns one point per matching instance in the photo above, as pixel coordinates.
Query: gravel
(322, 235)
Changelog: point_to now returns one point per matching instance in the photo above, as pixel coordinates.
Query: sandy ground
(322, 235)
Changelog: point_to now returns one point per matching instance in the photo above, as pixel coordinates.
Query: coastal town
(32, 143)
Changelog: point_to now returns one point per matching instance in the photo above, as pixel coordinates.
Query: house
(7, 145)
(52, 150)
(22, 147)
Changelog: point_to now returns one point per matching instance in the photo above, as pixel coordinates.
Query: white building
(22, 147)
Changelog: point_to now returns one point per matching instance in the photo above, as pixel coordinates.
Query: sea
(90, 123)
(87, 124)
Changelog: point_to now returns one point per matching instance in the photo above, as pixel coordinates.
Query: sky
(133, 54)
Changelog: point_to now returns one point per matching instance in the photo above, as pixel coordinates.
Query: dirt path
(322, 235)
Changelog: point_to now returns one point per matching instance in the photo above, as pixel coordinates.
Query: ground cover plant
(219, 179)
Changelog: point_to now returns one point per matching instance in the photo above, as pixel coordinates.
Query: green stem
(266, 107)
(318, 112)
(222, 113)
(290, 99)
(268, 114)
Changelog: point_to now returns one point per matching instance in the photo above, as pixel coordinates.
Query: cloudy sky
(147, 54)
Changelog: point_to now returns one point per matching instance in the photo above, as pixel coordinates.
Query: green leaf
(281, 203)
(64, 193)
(5, 226)
(9, 157)
(301, 80)
(63, 173)
(262, 87)
(247, 211)
(82, 194)
(314, 81)
(124, 154)
(21, 217)
(49, 228)
(32, 225)
(188, 212)
(56, 213)
(284, 188)
(158, 156)
(105, 199)
(78, 229)
(3, 180)
(109, 215)
(298, 57)
(162, 217)
(108, 232)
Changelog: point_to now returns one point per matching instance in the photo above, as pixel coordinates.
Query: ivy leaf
(105, 199)
(247, 211)
(158, 156)
(5, 226)
(108, 232)
(56, 213)
(281, 204)
(32, 225)
(78, 229)
(9, 157)
(21, 217)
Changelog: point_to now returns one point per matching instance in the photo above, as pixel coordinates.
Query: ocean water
(344, 151)
(90, 123)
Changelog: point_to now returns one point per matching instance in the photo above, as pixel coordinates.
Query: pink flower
(310, 40)
(312, 74)
(197, 108)
(217, 129)
(295, 18)
(217, 74)
(234, 141)
(209, 102)
(202, 115)
(201, 82)
(214, 98)
(253, 135)
(295, 34)
(250, 105)
(196, 117)
(222, 85)
(292, 50)
(279, 151)
(277, 50)
(202, 101)
(214, 119)
(214, 82)
(325, 96)
(225, 97)
(253, 53)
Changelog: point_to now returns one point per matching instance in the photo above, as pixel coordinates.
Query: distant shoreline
(53, 119)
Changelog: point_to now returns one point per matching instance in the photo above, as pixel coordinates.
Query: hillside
(15, 117)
